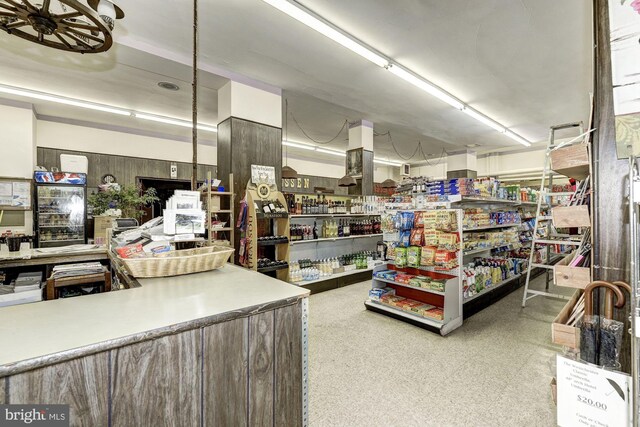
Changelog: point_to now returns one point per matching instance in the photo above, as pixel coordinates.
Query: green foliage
(129, 199)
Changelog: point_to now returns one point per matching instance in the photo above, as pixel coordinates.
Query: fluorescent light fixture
(335, 153)
(484, 119)
(387, 162)
(301, 146)
(518, 138)
(62, 100)
(323, 28)
(170, 121)
(425, 86)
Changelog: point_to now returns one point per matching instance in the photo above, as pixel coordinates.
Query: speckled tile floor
(366, 369)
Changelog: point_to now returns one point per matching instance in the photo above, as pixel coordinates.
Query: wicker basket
(179, 262)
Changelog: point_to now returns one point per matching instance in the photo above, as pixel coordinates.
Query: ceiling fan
(70, 25)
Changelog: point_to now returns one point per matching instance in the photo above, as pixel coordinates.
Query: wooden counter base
(245, 371)
(242, 364)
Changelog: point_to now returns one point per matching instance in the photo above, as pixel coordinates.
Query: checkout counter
(224, 347)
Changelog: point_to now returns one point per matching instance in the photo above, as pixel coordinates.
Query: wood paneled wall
(124, 168)
(245, 371)
(610, 222)
(242, 143)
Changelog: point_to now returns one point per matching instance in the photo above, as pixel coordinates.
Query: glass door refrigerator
(60, 208)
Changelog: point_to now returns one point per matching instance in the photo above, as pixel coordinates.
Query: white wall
(500, 163)
(18, 150)
(84, 138)
(17, 142)
(381, 173)
(437, 171)
(317, 168)
(506, 163)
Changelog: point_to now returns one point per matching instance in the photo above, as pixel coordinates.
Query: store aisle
(367, 369)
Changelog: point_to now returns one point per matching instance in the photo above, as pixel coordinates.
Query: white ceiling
(526, 64)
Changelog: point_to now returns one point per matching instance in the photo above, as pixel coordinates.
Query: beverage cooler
(60, 209)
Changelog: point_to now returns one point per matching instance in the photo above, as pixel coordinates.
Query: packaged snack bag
(418, 221)
(401, 257)
(428, 255)
(405, 238)
(413, 256)
(417, 237)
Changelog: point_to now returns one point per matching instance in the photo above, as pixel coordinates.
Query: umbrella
(611, 331)
(590, 327)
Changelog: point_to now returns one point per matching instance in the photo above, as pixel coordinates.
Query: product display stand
(448, 300)
(573, 161)
(261, 225)
(224, 209)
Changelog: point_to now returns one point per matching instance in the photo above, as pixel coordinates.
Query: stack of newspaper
(26, 288)
(80, 269)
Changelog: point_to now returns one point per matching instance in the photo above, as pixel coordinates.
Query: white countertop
(28, 253)
(31, 331)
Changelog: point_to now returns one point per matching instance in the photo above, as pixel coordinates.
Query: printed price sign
(263, 175)
(591, 396)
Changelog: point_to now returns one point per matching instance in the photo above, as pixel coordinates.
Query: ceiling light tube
(296, 145)
(62, 100)
(170, 121)
(387, 162)
(335, 153)
(518, 138)
(425, 86)
(307, 18)
(484, 119)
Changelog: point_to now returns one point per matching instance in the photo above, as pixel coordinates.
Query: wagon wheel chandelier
(69, 25)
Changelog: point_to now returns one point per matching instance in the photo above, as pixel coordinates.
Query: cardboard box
(571, 216)
(561, 333)
(571, 161)
(215, 203)
(572, 277)
(100, 225)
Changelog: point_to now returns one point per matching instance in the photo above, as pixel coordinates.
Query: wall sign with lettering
(263, 175)
(295, 183)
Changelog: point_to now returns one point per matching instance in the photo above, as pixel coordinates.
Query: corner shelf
(209, 194)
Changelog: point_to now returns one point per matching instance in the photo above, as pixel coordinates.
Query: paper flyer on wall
(6, 193)
(21, 194)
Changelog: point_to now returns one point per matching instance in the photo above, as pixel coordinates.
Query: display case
(265, 237)
(60, 209)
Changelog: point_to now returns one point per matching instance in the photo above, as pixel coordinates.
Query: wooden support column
(610, 209)
(359, 161)
(249, 133)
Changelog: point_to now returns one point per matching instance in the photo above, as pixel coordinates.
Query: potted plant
(129, 199)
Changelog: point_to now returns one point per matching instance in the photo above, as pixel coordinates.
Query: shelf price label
(591, 396)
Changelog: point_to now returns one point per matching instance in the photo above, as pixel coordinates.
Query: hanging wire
(442, 154)
(344, 125)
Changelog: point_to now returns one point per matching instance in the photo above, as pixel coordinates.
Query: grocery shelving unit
(334, 239)
(228, 211)
(450, 300)
(328, 247)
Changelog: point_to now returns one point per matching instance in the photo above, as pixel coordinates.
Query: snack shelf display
(422, 285)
